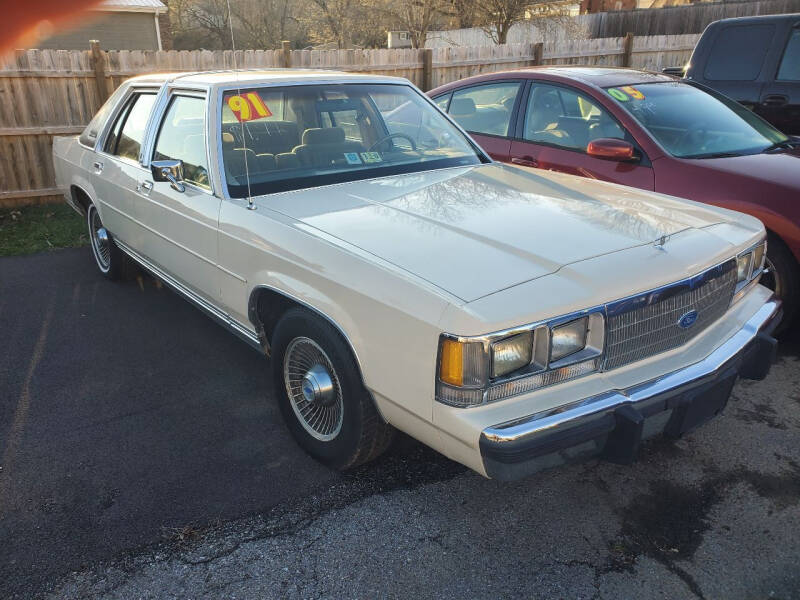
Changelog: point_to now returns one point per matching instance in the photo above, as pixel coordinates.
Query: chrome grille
(647, 324)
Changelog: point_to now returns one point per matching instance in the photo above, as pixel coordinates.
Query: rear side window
(126, 136)
(738, 53)
(790, 63)
(485, 108)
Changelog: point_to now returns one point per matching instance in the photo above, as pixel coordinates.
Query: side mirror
(169, 170)
(611, 149)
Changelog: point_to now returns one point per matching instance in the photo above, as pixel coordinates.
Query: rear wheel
(783, 277)
(109, 258)
(320, 393)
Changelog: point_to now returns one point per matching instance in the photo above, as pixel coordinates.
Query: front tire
(109, 258)
(783, 278)
(326, 407)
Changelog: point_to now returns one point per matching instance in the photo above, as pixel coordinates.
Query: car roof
(600, 77)
(756, 19)
(257, 76)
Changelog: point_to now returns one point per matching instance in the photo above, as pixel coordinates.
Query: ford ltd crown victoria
(399, 279)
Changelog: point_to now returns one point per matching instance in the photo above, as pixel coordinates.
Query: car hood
(477, 230)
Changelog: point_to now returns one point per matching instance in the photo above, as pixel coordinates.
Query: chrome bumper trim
(531, 426)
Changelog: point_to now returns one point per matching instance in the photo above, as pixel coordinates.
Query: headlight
(482, 369)
(743, 265)
(568, 339)
(749, 267)
(512, 353)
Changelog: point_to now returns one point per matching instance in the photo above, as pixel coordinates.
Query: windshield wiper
(717, 155)
(784, 145)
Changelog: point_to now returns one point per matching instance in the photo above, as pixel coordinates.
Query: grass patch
(38, 228)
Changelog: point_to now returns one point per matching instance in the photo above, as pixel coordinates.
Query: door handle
(98, 167)
(775, 100)
(144, 187)
(525, 161)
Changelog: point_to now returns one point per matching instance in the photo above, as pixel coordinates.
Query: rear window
(738, 52)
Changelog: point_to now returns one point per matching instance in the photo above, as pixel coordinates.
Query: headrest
(462, 106)
(326, 135)
(227, 138)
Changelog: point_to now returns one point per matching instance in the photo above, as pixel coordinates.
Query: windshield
(691, 123)
(287, 138)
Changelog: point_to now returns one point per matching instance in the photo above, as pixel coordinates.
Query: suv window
(790, 63)
(181, 137)
(562, 117)
(738, 52)
(126, 136)
(485, 108)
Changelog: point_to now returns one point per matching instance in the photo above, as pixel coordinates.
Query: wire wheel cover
(313, 388)
(100, 241)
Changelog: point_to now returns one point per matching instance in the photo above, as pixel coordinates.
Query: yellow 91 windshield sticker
(625, 93)
(248, 107)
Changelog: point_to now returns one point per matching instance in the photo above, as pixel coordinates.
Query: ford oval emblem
(687, 320)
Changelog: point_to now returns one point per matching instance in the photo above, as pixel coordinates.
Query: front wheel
(783, 278)
(320, 393)
(109, 258)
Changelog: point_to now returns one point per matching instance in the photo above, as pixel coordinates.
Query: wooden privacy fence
(44, 93)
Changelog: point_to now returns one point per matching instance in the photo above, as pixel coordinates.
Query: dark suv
(756, 61)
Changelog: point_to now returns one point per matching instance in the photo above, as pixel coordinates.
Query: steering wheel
(697, 128)
(392, 136)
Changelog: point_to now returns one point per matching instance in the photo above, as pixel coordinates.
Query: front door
(559, 122)
(181, 225)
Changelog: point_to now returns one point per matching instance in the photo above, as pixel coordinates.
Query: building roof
(152, 6)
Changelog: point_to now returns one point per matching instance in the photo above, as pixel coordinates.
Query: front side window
(562, 117)
(738, 52)
(485, 108)
(790, 63)
(303, 136)
(692, 123)
(181, 137)
(127, 134)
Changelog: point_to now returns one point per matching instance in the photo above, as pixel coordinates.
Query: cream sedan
(397, 278)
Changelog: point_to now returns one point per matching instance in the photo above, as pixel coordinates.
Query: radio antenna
(250, 204)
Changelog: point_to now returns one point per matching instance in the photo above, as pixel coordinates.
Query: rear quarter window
(738, 52)
(89, 136)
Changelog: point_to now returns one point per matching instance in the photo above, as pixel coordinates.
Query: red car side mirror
(611, 149)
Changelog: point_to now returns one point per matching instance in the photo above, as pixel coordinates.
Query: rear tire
(326, 407)
(110, 260)
(784, 280)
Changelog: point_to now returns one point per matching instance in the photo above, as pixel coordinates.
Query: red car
(646, 130)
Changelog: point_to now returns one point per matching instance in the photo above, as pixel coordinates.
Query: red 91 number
(248, 107)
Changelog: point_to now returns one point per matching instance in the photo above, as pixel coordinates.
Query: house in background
(117, 25)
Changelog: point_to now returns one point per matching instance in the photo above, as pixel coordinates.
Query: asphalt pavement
(142, 456)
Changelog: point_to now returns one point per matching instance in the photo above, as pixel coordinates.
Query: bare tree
(418, 17)
(498, 16)
(266, 23)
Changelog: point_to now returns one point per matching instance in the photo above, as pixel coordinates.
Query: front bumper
(614, 423)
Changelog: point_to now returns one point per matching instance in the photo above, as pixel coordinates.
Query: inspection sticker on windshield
(371, 157)
(352, 158)
(248, 107)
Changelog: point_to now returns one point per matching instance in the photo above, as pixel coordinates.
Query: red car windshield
(692, 123)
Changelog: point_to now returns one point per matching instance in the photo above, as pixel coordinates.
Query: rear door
(181, 225)
(487, 111)
(117, 167)
(557, 124)
(780, 98)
